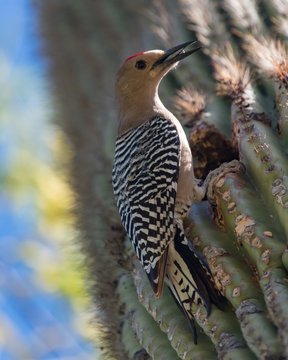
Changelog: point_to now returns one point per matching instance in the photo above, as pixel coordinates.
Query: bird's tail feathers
(199, 270)
(189, 317)
(189, 279)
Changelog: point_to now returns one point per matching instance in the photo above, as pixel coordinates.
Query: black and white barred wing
(145, 174)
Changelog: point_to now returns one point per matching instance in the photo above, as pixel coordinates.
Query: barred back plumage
(145, 174)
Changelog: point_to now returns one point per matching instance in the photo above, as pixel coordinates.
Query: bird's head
(139, 76)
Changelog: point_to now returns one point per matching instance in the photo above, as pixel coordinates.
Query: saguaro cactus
(241, 113)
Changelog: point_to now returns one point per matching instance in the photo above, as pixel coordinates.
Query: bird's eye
(140, 64)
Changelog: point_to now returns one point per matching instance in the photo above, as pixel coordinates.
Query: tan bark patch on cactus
(231, 207)
(280, 192)
(244, 227)
(268, 234)
(221, 277)
(236, 291)
(226, 195)
(220, 183)
(265, 257)
(256, 242)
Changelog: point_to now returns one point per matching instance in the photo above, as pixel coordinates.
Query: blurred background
(44, 313)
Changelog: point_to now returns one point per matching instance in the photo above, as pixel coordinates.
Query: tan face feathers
(137, 71)
(137, 81)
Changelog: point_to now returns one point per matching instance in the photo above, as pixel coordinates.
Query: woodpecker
(154, 183)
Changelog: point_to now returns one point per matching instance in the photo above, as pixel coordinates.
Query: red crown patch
(130, 57)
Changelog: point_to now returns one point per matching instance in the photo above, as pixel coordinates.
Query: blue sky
(25, 126)
(18, 33)
(24, 97)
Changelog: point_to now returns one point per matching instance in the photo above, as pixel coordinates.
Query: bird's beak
(173, 55)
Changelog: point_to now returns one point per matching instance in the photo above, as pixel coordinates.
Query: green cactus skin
(240, 287)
